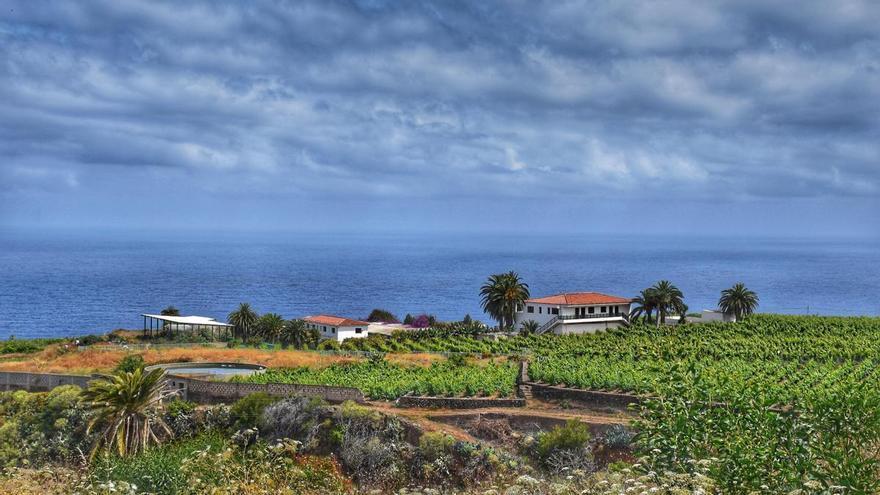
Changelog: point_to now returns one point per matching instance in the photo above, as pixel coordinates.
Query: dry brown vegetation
(55, 359)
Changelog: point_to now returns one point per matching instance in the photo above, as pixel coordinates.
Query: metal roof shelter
(186, 323)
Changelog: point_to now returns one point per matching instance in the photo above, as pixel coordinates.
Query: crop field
(380, 379)
(785, 360)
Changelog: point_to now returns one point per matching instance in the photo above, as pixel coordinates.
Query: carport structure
(163, 323)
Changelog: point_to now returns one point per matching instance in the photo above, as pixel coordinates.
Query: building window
(555, 311)
(325, 329)
(334, 330)
(591, 310)
(530, 309)
(519, 308)
(540, 310)
(603, 309)
(358, 330)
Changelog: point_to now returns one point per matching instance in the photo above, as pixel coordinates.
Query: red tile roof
(336, 321)
(572, 298)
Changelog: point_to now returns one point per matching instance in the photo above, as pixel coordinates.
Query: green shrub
(129, 363)
(435, 444)
(27, 346)
(248, 411)
(574, 435)
(91, 339)
(329, 345)
(158, 470)
(37, 428)
(179, 407)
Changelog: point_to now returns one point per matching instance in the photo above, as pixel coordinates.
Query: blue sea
(58, 284)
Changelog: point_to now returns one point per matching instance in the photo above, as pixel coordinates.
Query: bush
(329, 345)
(158, 470)
(564, 445)
(13, 346)
(129, 363)
(435, 444)
(618, 436)
(91, 339)
(298, 418)
(180, 416)
(573, 435)
(233, 343)
(36, 428)
(248, 411)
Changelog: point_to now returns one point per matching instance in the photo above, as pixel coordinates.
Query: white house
(575, 312)
(337, 327)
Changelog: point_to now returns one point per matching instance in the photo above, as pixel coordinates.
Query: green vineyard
(379, 379)
(784, 359)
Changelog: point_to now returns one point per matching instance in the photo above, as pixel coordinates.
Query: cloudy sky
(664, 116)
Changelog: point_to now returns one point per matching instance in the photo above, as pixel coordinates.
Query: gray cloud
(700, 101)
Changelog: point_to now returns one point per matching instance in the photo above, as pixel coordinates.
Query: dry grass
(55, 360)
(54, 481)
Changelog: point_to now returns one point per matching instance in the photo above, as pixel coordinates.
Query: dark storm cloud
(482, 99)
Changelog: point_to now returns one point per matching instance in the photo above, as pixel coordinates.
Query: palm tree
(529, 327)
(123, 406)
(738, 300)
(643, 305)
(313, 337)
(501, 295)
(271, 326)
(668, 298)
(295, 332)
(243, 318)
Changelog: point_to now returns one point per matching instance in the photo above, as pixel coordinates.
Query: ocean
(60, 284)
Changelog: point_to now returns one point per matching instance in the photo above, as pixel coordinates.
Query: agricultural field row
(772, 337)
(779, 382)
(379, 379)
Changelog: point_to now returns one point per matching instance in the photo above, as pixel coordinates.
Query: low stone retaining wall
(612, 400)
(201, 391)
(211, 392)
(458, 402)
(39, 382)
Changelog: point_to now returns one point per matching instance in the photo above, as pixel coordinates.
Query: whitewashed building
(337, 327)
(575, 312)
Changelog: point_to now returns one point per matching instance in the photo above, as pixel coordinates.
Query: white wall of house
(587, 327)
(587, 318)
(542, 313)
(339, 333)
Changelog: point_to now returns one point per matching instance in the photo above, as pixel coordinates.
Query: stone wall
(589, 397)
(458, 402)
(39, 382)
(211, 392)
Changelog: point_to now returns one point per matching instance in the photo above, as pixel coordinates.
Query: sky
(730, 117)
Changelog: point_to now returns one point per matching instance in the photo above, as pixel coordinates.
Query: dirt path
(429, 420)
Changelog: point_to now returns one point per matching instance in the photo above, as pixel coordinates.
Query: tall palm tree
(271, 326)
(668, 298)
(501, 295)
(243, 318)
(643, 305)
(296, 333)
(738, 300)
(123, 407)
